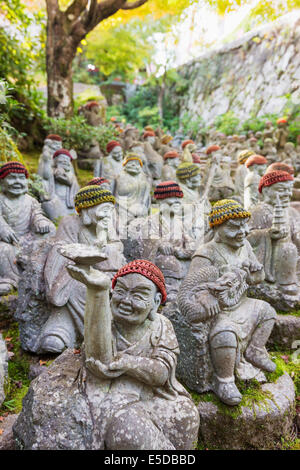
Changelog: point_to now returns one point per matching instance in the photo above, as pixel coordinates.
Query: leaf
(285, 358)
(42, 363)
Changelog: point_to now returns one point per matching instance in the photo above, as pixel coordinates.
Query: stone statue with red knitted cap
(256, 166)
(275, 237)
(110, 167)
(52, 143)
(60, 182)
(166, 238)
(225, 330)
(22, 221)
(281, 134)
(120, 391)
(171, 161)
(217, 178)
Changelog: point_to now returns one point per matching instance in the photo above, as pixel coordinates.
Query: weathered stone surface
(260, 427)
(7, 441)
(286, 331)
(3, 367)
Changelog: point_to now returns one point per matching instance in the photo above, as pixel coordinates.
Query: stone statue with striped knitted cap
(120, 391)
(93, 226)
(231, 328)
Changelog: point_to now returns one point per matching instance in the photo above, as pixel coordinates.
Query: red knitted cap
(91, 104)
(274, 177)
(54, 137)
(148, 134)
(111, 145)
(167, 189)
(256, 160)
(281, 120)
(62, 152)
(186, 142)
(97, 181)
(212, 148)
(146, 269)
(171, 154)
(13, 167)
(280, 166)
(252, 139)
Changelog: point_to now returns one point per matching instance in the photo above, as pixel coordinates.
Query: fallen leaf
(76, 351)
(285, 358)
(8, 339)
(42, 363)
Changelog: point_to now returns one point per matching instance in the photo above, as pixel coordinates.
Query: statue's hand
(166, 249)
(209, 304)
(125, 362)
(8, 235)
(101, 370)
(43, 227)
(277, 234)
(89, 276)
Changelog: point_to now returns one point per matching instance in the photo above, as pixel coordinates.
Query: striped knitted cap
(244, 155)
(111, 145)
(274, 177)
(13, 167)
(146, 269)
(256, 160)
(54, 137)
(212, 148)
(62, 152)
(187, 170)
(132, 156)
(97, 181)
(90, 196)
(171, 154)
(281, 167)
(167, 189)
(186, 142)
(226, 209)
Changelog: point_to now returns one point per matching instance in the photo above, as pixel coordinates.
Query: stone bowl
(83, 254)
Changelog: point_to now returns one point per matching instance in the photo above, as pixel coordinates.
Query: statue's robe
(23, 219)
(251, 193)
(62, 197)
(200, 209)
(239, 181)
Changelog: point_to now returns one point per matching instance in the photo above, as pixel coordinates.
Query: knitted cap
(171, 154)
(13, 167)
(62, 152)
(90, 196)
(252, 139)
(187, 170)
(148, 128)
(97, 181)
(132, 156)
(146, 269)
(148, 134)
(256, 160)
(281, 120)
(167, 189)
(212, 148)
(166, 139)
(91, 104)
(226, 209)
(244, 155)
(111, 145)
(274, 177)
(54, 137)
(280, 166)
(186, 142)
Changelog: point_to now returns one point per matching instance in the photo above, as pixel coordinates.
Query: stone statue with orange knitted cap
(22, 222)
(256, 166)
(61, 185)
(171, 161)
(120, 391)
(281, 134)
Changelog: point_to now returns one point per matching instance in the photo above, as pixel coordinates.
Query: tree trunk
(161, 97)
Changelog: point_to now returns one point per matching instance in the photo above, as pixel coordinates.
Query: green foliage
(141, 109)
(36, 188)
(77, 134)
(192, 127)
(285, 363)
(227, 123)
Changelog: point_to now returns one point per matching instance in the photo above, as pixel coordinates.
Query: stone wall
(257, 74)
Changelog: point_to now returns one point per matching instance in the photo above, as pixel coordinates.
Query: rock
(3, 367)
(259, 427)
(286, 331)
(7, 441)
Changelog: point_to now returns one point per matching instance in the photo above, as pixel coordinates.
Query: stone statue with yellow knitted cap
(230, 328)
(120, 391)
(93, 226)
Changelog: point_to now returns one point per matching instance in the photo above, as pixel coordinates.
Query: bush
(227, 123)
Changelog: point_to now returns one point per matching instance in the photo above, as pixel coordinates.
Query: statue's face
(192, 147)
(194, 181)
(63, 169)
(173, 162)
(53, 145)
(260, 169)
(133, 299)
(117, 153)
(284, 189)
(100, 215)
(15, 184)
(133, 167)
(151, 139)
(170, 206)
(233, 232)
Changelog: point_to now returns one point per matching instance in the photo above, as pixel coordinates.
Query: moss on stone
(286, 362)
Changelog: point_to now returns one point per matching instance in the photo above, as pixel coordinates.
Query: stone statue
(132, 190)
(104, 183)
(253, 145)
(281, 133)
(288, 152)
(171, 161)
(154, 161)
(164, 145)
(256, 166)
(268, 132)
(269, 151)
(111, 166)
(21, 223)
(93, 112)
(130, 135)
(149, 163)
(275, 237)
(165, 237)
(188, 147)
(66, 297)
(150, 137)
(60, 182)
(121, 392)
(3, 368)
(232, 329)
(241, 172)
(218, 181)
(52, 143)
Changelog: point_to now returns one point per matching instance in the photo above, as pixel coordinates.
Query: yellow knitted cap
(226, 209)
(90, 196)
(132, 156)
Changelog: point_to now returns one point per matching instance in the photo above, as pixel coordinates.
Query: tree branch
(75, 9)
(131, 6)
